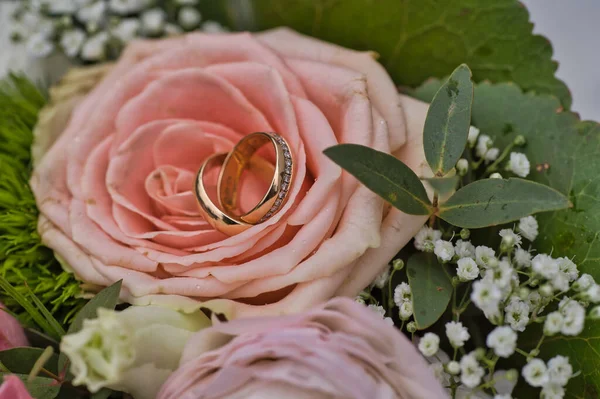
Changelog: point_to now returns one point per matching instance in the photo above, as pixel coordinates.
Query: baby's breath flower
(462, 167)
(574, 316)
(491, 155)
(472, 137)
(569, 268)
(127, 29)
(444, 250)
(592, 294)
(517, 315)
(453, 367)
(584, 282)
(485, 257)
(552, 391)
(510, 238)
(486, 296)
(545, 266)
(464, 249)
(554, 323)
(484, 142)
(503, 340)
(594, 313)
(173, 30)
(471, 371)
(378, 309)
(153, 21)
(429, 344)
(535, 373)
(124, 7)
(467, 269)
(528, 227)
(501, 276)
(94, 49)
(560, 282)
(92, 13)
(518, 164)
(39, 46)
(360, 300)
(189, 18)
(381, 280)
(522, 258)
(402, 294)
(559, 370)
(71, 41)
(457, 334)
(406, 310)
(425, 236)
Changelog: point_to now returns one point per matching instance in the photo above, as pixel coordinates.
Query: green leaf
(53, 323)
(22, 360)
(102, 394)
(448, 120)
(418, 39)
(33, 312)
(442, 185)
(383, 174)
(564, 153)
(430, 287)
(491, 202)
(107, 298)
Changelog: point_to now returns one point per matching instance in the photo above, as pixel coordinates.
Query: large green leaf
(21, 360)
(448, 120)
(385, 175)
(418, 39)
(564, 153)
(490, 202)
(430, 287)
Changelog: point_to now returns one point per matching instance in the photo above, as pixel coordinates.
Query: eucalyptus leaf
(564, 153)
(430, 287)
(22, 360)
(418, 39)
(448, 120)
(102, 394)
(385, 175)
(442, 185)
(490, 202)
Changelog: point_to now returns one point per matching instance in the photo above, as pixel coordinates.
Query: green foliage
(448, 121)
(490, 202)
(430, 287)
(385, 175)
(23, 258)
(565, 154)
(418, 39)
(22, 360)
(40, 387)
(442, 185)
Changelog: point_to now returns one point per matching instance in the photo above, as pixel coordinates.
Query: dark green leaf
(448, 120)
(490, 202)
(107, 298)
(564, 153)
(418, 39)
(21, 360)
(385, 175)
(430, 286)
(442, 185)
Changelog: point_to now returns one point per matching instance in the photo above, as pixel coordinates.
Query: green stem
(391, 302)
(494, 166)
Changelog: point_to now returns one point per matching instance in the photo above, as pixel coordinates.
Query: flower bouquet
(252, 199)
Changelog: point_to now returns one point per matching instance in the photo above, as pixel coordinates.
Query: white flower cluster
(511, 287)
(486, 152)
(97, 30)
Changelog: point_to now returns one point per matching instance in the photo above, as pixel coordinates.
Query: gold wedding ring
(243, 157)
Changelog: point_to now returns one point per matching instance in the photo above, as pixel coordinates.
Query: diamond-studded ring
(243, 157)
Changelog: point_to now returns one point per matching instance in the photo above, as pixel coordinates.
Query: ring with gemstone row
(243, 157)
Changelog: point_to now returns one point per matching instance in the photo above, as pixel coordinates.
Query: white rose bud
(133, 351)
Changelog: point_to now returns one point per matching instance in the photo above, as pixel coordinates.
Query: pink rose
(11, 332)
(115, 189)
(13, 388)
(338, 350)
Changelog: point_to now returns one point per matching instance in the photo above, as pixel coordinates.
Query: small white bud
(462, 167)
(495, 175)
